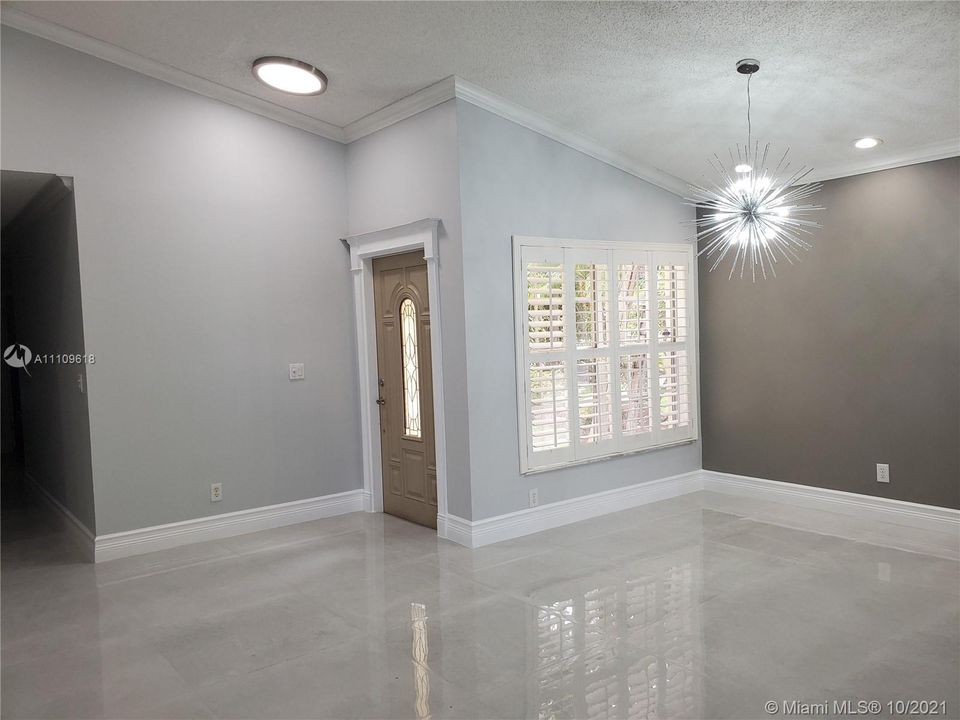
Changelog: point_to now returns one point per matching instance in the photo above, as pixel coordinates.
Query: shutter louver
(594, 400)
(592, 305)
(545, 306)
(633, 312)
(672, 303)
(549, 414)
(635, 394)
(674, 389)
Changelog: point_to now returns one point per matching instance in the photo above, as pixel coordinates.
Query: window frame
(569, 253)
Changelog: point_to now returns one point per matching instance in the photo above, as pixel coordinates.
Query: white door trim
(421, 234)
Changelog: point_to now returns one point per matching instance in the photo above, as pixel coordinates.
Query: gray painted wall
(850, 358)
(42, 264)
(210, 259)
(407, 172)
(516, 182)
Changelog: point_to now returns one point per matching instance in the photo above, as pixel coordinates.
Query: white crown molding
(455, 87)
(477, 533)
(145, 66)
(424, 99)
(79, 533)
(430, 96)
(215, 527)
(860, 166)
(531, 120)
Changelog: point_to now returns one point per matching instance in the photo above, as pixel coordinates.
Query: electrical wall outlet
(883, 473)
(216, 492)
(534, 497)
(296, 371)
(883, 572)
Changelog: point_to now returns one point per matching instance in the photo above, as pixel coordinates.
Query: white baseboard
(163, 537)
(78, 532)
(899, 512)
(455, 529)
(477, 533)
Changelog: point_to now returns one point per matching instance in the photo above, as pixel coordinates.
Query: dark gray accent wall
(852, 357)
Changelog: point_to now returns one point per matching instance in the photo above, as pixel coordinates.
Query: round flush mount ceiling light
(865, 143)
(290, 76)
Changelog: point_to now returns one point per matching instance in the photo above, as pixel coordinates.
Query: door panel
(407, 449)
(414, 473)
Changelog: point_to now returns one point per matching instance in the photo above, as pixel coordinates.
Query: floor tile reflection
(703, 606)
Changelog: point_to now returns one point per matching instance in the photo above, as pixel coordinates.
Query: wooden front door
(406, 388)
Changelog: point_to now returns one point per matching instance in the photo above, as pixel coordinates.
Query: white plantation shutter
(634, 348)
(674, 416)
(605, 350)
(546, 362)
(633, 300)
(595, 380)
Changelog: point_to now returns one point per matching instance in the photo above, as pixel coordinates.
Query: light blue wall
(220, 231)
(209, 260)
(407, 172)
(516, 182)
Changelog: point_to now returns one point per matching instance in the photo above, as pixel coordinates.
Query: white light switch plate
(296, 371)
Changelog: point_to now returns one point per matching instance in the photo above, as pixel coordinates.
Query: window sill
(602, 458)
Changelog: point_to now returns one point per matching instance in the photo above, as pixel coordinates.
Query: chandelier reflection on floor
(755, 214)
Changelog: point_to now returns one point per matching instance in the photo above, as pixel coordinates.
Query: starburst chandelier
(753, 214)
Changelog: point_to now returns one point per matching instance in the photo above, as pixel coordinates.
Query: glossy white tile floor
(700, 607)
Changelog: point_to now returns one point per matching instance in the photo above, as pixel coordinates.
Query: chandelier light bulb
(754, 214)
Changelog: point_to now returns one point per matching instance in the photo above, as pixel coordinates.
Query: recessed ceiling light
(742, 168)
(291, 76)
(865, 143)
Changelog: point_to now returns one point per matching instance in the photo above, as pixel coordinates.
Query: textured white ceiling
(654, 81)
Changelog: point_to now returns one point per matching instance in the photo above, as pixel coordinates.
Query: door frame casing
(421, 234)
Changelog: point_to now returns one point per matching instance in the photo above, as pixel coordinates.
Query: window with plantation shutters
(605, 349)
